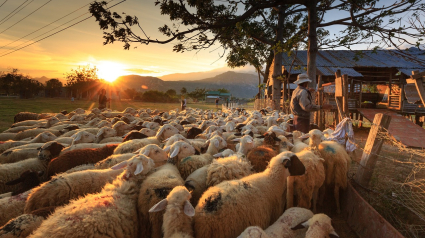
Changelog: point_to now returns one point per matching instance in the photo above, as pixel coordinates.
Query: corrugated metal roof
(329, 61)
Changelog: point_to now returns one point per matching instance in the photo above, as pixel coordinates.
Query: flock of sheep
(146, 173)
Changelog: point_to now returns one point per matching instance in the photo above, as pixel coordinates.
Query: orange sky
(83, 44)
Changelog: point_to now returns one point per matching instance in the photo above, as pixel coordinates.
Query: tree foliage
(83, 81)
(197, 94)
(53, 88)
(183, 90)
(14, 83)
(223, 90)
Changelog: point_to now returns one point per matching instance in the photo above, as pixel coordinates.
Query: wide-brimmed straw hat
(302, 78)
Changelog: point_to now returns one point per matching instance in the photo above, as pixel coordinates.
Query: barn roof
(328, 61)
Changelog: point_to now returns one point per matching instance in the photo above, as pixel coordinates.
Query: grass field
(9, 107)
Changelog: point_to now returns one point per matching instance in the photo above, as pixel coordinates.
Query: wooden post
(345, 94)
(372, 148)
(417, 78)
(360, 95)
(320, 113)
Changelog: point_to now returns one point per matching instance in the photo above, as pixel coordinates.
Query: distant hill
(43, 79)
(241, 85)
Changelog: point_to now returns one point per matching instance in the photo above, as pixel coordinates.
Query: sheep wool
(260, 196)
(61, 189)
(11, 207)
(260, 157)
(318, 226)
(227, 169)
(196, 183)
(112, 212)
(75, 158)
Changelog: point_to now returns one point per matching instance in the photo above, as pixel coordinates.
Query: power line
(58, 31)
(48, 25)
(26, 16)
(3, 3)
(14, 13)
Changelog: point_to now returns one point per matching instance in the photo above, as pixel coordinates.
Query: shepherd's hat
(302, 78)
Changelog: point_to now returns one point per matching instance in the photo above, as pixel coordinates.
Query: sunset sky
(82, 43)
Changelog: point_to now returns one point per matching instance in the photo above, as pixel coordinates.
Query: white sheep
(105, 133)
(9, 172)
(177, 221)
(165, 132)
(318, 226)
(260, 200)
(11, 207)
(306, 186)
(112, 211)
(299, 145)
(282, 227)
(40, 138)
(227, 169)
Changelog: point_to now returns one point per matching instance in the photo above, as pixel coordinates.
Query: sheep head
(179, 150)
(178, 197)
(105, 132)
(166, 131)
(319, 223)
(47, 136)
(49, 150)
(158, 155)
(138, 165)
(290, 161)
(148, 132)
(83, 137)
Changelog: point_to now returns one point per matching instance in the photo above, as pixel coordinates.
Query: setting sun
(110, 71)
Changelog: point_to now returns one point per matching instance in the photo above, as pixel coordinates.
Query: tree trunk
(277, 69)
(312, 47)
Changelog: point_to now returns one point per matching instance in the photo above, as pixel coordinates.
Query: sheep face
(178, 197)
(130, 110)
(80, 111)
(47, 136)
(49, 150)
(148, 132)
(218, 142)
(180, 149)
(290, 161)
(53, 120)
(174, 138)
(158, 155)
(137, 165)
(83, 137)
(166, 131)
(105, 132)
(319, 223)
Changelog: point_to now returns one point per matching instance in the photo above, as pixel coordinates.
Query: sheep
(23, 116)
(260, 200)
(7, 136)
(158, 155)
(318, 226)
(111, 212)
(227, 169)
(61, 189)
(19, 153)
(93, 131)
(105, 132)
(13, 171)
(336, 163)
(178, 151)
(74, 158)
(85, 146)
(282, 227)
(196, 183)
(112, 160)
(134, 135)
(33, 133)
(40, 138)
(246, 144)
(260, 157)
(11, 207)
(193, 162)
(306, 186)
(298, 144)
(48, 123)
(130, 146)
(82, 137)
(154, 188)
(177, 221)
(28, 180)
(121, 128)
(25, 224)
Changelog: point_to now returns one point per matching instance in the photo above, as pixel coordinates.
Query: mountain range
(240, 85)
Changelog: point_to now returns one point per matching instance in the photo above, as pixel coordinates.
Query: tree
(18, 84)
(53, 87)
(183, 90)
(208, 22)
(83, 81)
(197, 94)
(223, 90)
(130, 93)
(171, 92)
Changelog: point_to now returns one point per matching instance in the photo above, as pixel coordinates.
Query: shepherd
(302, 104)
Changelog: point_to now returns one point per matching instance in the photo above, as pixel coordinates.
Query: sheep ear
(16, 181)
(188, 209)
(139, 168)
(78, 137)
(216, 144)
(100, 132)
(249, 141)
(175, 152)
(231, 127)
(289, 144)
(333, 234)
(137, 151)
(159, 133)
(159, 206)
(166, 149)
(237, 139)
(166, 139)
(218, 155)
(146, 152)
(295, 166)
(119, 166)
(301, 225)
(305, 136)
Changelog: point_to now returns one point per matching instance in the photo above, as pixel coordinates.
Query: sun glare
(110, 71)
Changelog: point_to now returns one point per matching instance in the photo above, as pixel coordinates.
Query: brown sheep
(77, 157)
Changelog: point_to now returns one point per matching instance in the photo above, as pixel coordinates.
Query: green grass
(9, 107)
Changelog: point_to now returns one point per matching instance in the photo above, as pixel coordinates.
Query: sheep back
(260, 157)
(227, 169)
(112, 160)
(73, 158)
(196, 183)
(191, 163)
(22, 226)
(336, 162)
(12, 207)
(23, 116)
(65, 187)
(33, 133)
(133, 145)
(154, 188)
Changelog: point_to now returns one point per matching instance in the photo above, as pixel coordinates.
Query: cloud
(142, 71)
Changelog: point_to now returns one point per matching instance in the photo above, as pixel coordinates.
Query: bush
(157, 96)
